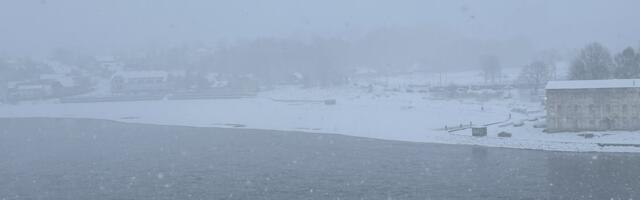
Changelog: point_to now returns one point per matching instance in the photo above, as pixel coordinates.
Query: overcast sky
(36, 26)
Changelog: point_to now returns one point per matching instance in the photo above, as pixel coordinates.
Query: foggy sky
(36, 26)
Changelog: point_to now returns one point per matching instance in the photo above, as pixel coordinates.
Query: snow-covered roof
(593, 84)
(142, 74)
(13, 84)
(33, 87)
(362, 71)
(58, 67)
(65, 81)
(298, 75)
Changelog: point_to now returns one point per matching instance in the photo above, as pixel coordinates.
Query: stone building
(593, 105)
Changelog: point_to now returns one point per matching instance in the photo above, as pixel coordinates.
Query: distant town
(110, 80)
(586, 101)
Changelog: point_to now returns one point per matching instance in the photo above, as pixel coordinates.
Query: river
(97, 159)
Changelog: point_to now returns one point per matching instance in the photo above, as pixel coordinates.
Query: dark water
(91, 159)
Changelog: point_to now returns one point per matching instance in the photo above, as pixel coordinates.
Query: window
(559, 108)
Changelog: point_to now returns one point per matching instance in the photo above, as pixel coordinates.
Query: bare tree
(491, 69)
(536, 74)
(594, 62)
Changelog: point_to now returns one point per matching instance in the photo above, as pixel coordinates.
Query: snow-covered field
(381, 114)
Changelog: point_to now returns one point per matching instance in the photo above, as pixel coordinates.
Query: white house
(31, 90)
(140, 82)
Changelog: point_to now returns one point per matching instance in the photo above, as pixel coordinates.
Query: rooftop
(64, 80)
(593, 84)
(142, 74)
(33, 87)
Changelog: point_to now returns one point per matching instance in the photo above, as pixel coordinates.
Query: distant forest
(321, 61)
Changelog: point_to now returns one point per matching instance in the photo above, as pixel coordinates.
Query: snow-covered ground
(380, 114)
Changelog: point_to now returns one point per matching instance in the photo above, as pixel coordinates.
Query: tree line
(322, 61)
(595, 62)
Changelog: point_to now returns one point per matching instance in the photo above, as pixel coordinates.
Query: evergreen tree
(627, 64)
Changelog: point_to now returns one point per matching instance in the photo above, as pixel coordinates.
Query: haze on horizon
(36, 27)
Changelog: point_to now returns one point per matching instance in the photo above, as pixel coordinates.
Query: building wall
(139, 85)
(593, 109)
(4, 91)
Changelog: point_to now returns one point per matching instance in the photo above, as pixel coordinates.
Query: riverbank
(401, 116)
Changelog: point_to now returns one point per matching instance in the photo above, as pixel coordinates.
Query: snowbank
(391, 115)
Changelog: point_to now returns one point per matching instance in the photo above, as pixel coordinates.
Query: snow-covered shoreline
(391, 116)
